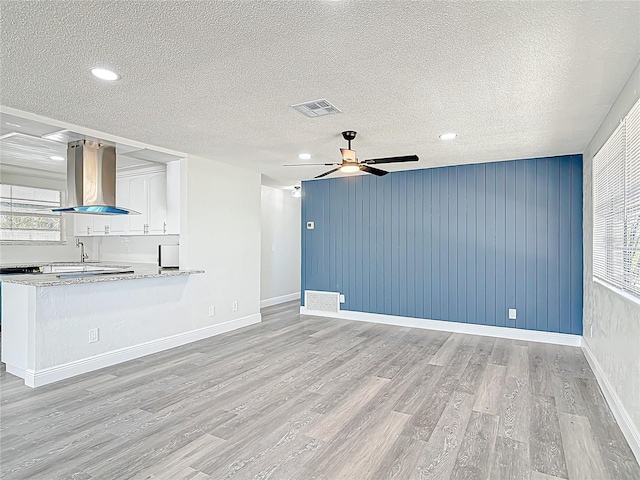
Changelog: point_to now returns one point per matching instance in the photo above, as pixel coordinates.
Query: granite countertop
(140, 270)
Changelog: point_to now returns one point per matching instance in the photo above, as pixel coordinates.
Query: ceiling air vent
(317, 108)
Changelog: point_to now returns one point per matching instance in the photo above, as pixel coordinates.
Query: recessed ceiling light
(57, 158)
(448, 136)
(104, 74)
(304, 156)
(296, 191)
(13, 124)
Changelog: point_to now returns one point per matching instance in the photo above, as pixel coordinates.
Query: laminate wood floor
(316, 398)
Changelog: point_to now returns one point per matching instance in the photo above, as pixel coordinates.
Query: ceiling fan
(351, 164)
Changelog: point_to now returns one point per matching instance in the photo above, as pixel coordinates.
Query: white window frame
(63, 237)
(616, 208)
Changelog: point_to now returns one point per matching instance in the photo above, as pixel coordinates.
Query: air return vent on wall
(322, 301)
(317, 108)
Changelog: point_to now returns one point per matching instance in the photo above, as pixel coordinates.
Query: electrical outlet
(234, 306)
(512, 314)
(273, 248)
(93, 335)
(342, 299)
(212, 310)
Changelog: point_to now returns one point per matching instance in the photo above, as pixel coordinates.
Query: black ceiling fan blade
(406, 158)
(375, 171)
(327, 173)
(309, 164)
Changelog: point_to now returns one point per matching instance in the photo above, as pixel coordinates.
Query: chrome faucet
(80, 245)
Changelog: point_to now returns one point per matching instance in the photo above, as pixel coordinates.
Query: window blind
(632, 200)
(616, 233)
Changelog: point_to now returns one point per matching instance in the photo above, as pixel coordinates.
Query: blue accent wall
(462, 243)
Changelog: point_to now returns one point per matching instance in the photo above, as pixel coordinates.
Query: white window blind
(616, 233)
(26, 216)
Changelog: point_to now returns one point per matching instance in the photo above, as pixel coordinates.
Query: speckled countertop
(140, 270)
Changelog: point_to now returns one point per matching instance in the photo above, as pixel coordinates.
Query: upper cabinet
(155, 194)
(157, 204)
(119, 224)
(83, 225)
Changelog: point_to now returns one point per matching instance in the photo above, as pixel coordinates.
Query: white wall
(280, 260)
(614, 319)
(220, 233)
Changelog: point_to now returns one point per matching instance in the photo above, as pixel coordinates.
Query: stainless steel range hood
(91, 179)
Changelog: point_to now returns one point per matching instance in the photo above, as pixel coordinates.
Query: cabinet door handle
(164, 227)
(146, 228)
(88, 232)
(106, 229)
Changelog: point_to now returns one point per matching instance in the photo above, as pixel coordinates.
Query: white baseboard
(278, 300)
(469, 328)
(18, 372)
(37, 378)
(620, 413)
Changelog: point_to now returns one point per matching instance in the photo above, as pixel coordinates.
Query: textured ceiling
(216, 79)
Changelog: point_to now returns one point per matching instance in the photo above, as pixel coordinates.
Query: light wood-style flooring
(316, 398)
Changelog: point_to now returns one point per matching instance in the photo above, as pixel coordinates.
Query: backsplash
(135, 249)
(99, 249)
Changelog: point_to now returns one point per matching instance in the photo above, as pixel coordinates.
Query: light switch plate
(512, 314)
(310, 225)
(93, 335)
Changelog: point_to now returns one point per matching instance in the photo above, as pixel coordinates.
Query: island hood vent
(91, 179)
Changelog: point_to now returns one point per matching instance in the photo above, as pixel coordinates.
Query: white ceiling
(216, 79)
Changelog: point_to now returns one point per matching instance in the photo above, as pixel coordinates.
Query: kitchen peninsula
(86, 316)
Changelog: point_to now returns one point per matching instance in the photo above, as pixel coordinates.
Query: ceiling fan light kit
(349, 168)
(350, 163)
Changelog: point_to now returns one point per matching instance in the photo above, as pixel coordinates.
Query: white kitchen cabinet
(157, 204)
(138, 201)
(173, 197)
(156, 195)
(148, 195)
(82, 225)
(101, 224)
(120, 223)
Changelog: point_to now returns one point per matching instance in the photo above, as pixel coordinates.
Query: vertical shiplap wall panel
(490, 243)
(472, 246)
(501, 245)
(427, 247)
(531, 206)
(520, 245)
(576, 237)
(511, 227)
(481, 244)
(453, 245)
(463, 243)
(542, 227)
(553, 248)
(565, 247)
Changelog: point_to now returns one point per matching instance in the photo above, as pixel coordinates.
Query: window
(26, 216)
(616, 202)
